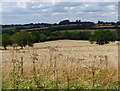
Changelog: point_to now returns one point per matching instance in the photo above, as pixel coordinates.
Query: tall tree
(6, 40)
(23, 39)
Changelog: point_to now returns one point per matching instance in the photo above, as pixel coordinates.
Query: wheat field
(61, 64)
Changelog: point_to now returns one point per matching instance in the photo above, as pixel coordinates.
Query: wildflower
(27, 87)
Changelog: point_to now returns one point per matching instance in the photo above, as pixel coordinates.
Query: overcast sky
(49, 12)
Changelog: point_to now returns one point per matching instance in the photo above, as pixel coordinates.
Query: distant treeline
(28, 34)
(76, 24)
(23, 38)
(64, 22)
(62, 25)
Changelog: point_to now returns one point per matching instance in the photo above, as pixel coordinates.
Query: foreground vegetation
(69, 66)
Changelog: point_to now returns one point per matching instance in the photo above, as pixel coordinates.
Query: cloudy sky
(49, 12)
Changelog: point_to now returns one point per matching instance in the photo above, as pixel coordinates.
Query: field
(66, 64)
(79, 30)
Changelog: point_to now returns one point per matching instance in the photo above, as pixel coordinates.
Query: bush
(102, 37)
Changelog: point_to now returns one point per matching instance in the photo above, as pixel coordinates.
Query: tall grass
(58, 71)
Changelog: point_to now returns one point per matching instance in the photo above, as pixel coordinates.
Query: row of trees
(62, 22)
(62, 25)
(49, 36)
(20, 38)
(29, 38)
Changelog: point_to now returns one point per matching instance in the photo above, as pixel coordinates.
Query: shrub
(102, 37)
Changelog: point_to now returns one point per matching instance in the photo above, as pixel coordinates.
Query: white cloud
(86, 12)
(114, 13)
(66, 7)
(66, 18)
(6, 7)
(45, 10)
(69, 8)
(105, 14)
(54, 1)
(37, 6)
(16, 0)
(112, 7)
(57, 13)
(87, 5)
(91, 12)
(21, 5)
(80, 12)
(109, 14)
(0, 7)
(54, 13)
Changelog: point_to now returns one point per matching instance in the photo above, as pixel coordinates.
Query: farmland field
(61, 64)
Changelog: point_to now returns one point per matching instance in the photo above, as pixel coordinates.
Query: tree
(22, 39)
(6, 40)
(78, 21)
(64, 22)
(87, 25)
(36, 36)
(42, 37)
(102, 37)
(67, 35)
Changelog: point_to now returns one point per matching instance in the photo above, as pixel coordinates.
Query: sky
(53, 12)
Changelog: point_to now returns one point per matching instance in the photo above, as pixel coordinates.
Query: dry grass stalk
(63, 64)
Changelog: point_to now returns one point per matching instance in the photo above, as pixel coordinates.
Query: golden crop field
(63, 64)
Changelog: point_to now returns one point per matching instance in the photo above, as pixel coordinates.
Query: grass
(60, 67)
